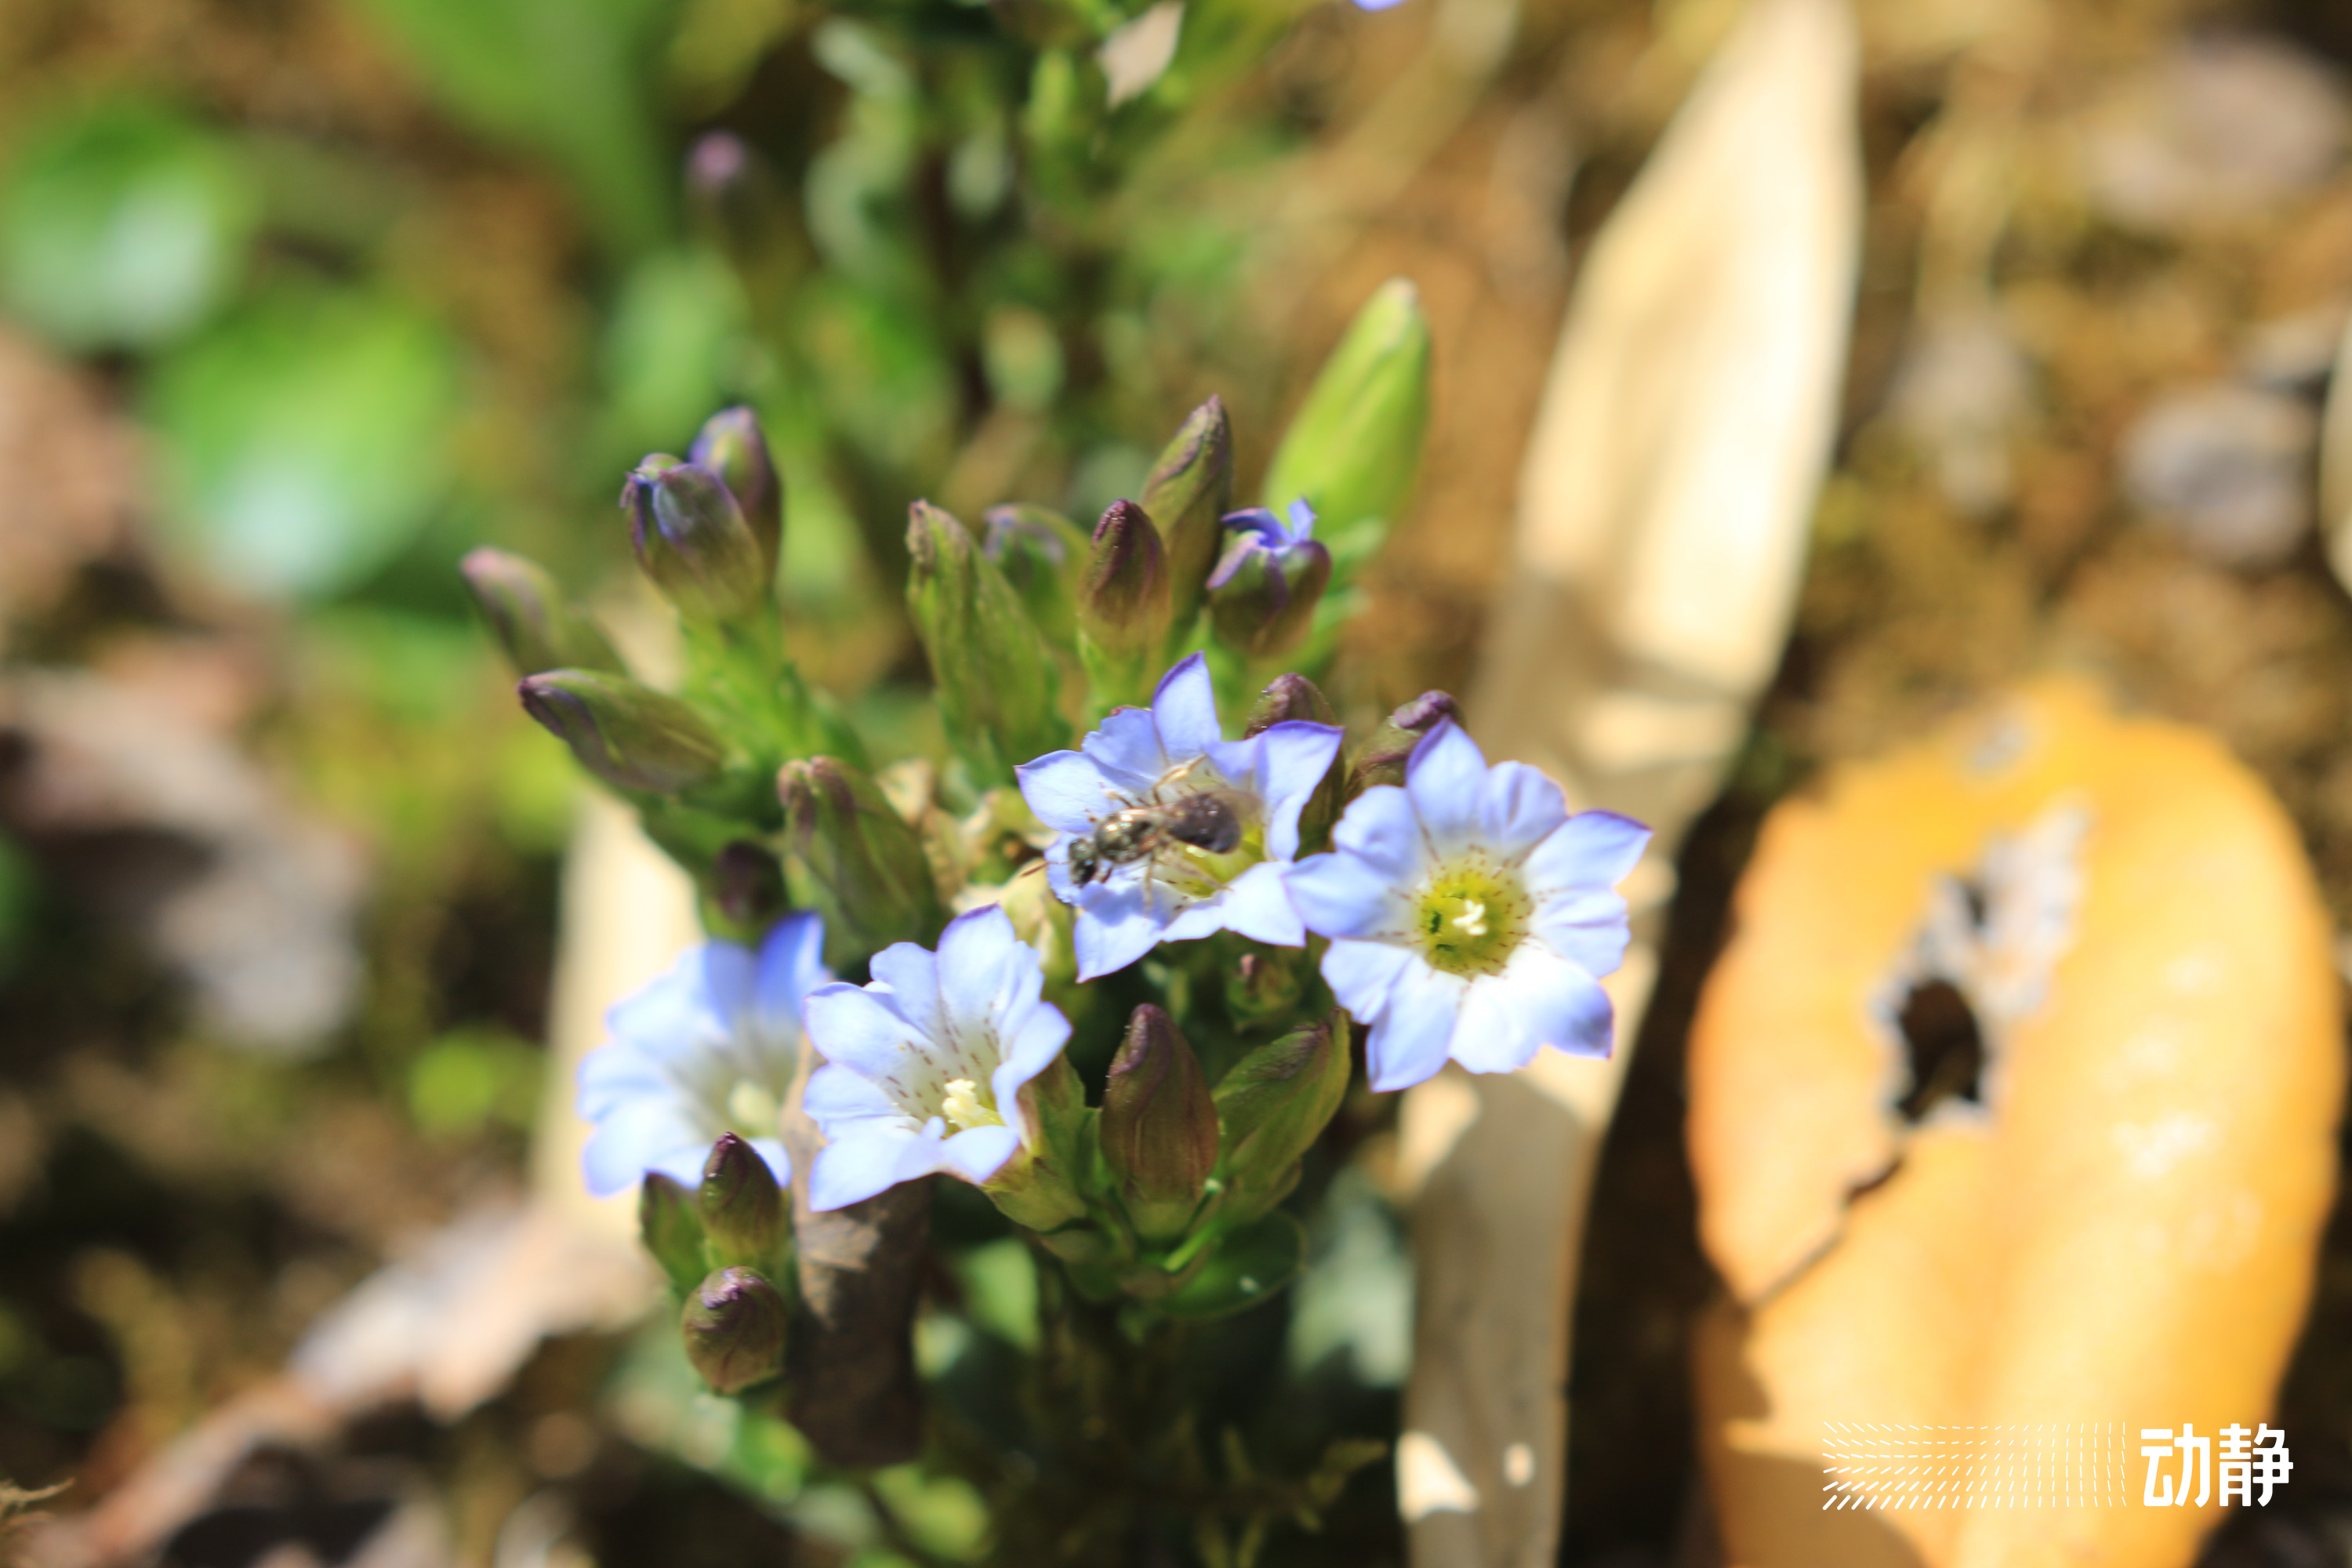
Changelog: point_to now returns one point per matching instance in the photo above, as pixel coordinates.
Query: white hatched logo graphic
(2081, 1464)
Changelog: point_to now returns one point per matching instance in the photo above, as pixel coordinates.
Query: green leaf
(1249, 1267)
(305, 441)
(569, 79)
(123, 226)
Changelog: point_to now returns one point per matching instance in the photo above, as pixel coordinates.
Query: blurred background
(299, 299)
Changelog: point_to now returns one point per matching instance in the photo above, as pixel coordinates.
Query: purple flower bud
(1286, 698)
(1124, 606)
(692, 540)
(746, 884)
(1261, 596)
(628, 735)
(1158, 1125)
(742, 1207)
(734, 1325)
(1191, 488)
(536, 626)
(1382, 760)
(732, 445)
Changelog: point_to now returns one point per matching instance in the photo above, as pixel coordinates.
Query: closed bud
(1353, 447)
(733, 197)
(628, 735)
(1382, 760)
(868, 864)
(1273, 1104)
(1159, 1126)
(1263, 594)
(734, 1325)
(1044, 555)
(732, 446)
(535, 625)
(994, 674)
(1123, 604)
(671, 1228)
(743, 1205)
(1288, 697)
(746, 884)
(693, 541)
(1191, 488)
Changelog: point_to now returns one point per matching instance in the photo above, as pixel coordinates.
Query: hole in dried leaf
(1943, 1046)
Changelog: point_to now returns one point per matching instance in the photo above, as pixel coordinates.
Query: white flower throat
(1470, 916)
(968, 1104)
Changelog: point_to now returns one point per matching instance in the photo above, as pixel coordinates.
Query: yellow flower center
(967, 1105)
(1470, 918)
(753, 1109)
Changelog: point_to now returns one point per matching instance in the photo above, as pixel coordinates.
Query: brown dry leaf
(2120, 1231)
(1664, 512)
(72, 479)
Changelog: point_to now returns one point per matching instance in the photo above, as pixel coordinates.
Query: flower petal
(726, 975)
(1341, 895)
(1559, 1001)
(1381, 827)
(1521, 808)
(911, 973)
(1492, 1036)
(980, 957)
(1587, 928)
(1415, 1029)
(1184, 709)
(1257, 904)
(1114, 928)
(1027, 1051)
(639, 1137)
(1360, 974)
(1290, 759)
(977, 1154)
(791, 965)
(857, 1029)
(1126, 748)
(1447, 776)
(1067, 790)
(837, 1097)
(873, 1160)
(667, 1015)
(1590, 849)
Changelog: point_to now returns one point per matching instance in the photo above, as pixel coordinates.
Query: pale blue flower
(925, 1066)
(709, 1047)
(1470, 915)
(1148, 760)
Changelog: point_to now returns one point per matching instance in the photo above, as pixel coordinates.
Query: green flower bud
(873, 880)
(1382, 760)
(1273, 1104)
(1192, 488)
(1355, 443)
(536, 626)
(1286, 698)
(994, 673)
(746, 884)
(742, 1205)
(628, 735)
(671, 1229)
(1124, 605)
(692, 540)
(732, 446)
(1159, 1126)
(734, 1325)
(1044, 555)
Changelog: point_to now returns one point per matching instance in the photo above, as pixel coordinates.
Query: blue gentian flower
(1262, 593)
(709, 1047)
(1470, 915)
(925, 1066)
(1126, 801)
